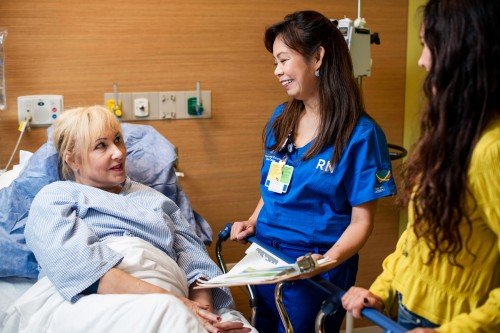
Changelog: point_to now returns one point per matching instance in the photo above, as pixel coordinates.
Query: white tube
(115, 93)
(198, 93)
(23, 129)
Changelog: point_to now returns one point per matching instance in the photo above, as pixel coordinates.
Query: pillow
(150, 160)
(7, 177)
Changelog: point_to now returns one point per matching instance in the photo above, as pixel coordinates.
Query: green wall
(414, 78)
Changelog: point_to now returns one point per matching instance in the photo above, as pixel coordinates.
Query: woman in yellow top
(445, 272)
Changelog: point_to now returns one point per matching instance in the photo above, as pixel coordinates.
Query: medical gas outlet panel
(40, 110)
(140, 106)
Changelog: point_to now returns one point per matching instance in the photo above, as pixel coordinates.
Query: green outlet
(193, 108)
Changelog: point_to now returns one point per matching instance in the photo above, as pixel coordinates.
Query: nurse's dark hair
(463, 94)
(340, 100)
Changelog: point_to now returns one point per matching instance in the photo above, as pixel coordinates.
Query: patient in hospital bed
(115, 255)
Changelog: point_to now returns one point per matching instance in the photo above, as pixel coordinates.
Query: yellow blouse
(459, 299)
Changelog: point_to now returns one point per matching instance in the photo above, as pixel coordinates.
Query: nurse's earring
(316, 73)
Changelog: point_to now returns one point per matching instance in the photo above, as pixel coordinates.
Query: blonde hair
(75, 131)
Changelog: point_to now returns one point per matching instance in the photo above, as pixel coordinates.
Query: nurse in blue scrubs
(325, 164)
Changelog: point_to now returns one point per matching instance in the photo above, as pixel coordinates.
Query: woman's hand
(207, 318)
(232, 327)
(211, 321)
(355, 299)
(241, 230)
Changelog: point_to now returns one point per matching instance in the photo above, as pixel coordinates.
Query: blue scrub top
(317, 207)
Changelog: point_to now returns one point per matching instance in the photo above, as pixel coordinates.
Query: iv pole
(397, 152)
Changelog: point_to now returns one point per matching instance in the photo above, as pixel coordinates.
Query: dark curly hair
(462, 89)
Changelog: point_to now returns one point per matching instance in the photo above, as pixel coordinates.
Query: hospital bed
(150, 160)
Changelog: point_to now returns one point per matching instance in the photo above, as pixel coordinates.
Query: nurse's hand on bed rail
(241, 230)
(355, 299)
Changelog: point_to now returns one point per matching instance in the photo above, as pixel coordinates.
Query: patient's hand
(232, 327)
(211, 321)
(203, 313)
(241, 230)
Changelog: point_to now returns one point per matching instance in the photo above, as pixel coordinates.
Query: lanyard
(288, 147)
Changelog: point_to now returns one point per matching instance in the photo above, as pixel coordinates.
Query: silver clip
(306, 263)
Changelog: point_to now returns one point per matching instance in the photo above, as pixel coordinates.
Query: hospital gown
(69, 223)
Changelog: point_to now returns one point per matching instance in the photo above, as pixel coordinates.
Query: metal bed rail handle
(223, 236)
(330, 305)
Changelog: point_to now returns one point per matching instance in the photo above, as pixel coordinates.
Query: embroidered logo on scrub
(383, 176)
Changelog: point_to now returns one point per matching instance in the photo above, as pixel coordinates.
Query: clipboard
(260, 266)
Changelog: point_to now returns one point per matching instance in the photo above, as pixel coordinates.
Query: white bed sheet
(11, 289)
(41, 308)
(8, 176)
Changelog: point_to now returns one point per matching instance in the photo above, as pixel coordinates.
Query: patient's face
(105, 165)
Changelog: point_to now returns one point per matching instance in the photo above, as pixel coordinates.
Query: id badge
(279, 177)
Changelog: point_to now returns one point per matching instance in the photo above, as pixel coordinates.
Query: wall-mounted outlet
(191, 108)
(42, 109)
(160, 105)
(139, 100)
(141, 107)
(126, 104)
(168, 104)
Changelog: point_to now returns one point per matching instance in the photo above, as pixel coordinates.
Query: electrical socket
(135, 97)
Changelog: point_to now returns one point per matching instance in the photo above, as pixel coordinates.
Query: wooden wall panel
(79, 48)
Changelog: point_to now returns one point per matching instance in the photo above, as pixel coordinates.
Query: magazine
(260, 266)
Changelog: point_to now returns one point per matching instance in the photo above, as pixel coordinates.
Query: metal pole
(278, 298)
